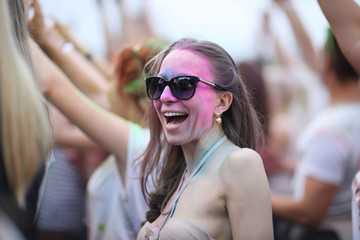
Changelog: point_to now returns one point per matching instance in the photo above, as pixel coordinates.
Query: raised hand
(36, 25)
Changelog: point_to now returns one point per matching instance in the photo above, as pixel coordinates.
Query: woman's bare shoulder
(242, 158)
(240, 165)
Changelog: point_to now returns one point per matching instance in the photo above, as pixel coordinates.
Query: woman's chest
(201, 202)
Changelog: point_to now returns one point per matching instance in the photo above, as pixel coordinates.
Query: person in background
(63, 209)
(115, 183)
(25, 128)
(115, 205)
(295, 94)
(270, 151)
(321, 205)
(343, 17)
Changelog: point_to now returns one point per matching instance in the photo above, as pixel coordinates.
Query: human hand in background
(36, 25)
(40, 32)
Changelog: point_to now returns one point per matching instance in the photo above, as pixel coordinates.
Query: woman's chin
(175, 140)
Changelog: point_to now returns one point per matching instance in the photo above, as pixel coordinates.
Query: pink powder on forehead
(198, 66)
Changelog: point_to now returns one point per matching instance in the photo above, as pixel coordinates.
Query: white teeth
(172, 114)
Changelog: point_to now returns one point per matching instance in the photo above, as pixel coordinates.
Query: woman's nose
(167, 96)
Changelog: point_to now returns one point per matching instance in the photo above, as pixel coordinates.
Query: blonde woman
(25, 128)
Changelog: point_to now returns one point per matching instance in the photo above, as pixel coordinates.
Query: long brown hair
(239, 123)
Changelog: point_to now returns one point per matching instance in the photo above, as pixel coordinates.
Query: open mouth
(175, 117)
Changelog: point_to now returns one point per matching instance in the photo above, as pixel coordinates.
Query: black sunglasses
(182, 87)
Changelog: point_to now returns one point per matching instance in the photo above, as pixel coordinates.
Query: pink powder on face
(200, 108)
(195, 65)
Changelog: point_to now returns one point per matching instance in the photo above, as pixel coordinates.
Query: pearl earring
(218, 118)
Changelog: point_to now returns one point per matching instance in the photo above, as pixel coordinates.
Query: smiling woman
(199, 167)
(201, 181)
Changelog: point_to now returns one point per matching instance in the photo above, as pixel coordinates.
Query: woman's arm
(108, 130)
(344, 19)
(311, 209)
(247, 196)
(83, 74)
(68, 135)
(301, 35)
(101, 64)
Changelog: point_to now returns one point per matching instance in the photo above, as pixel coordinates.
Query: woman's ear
(224, 102)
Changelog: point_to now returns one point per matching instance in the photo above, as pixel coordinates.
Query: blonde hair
(25, 126)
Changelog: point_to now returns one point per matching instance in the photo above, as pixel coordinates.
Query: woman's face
(185, 121)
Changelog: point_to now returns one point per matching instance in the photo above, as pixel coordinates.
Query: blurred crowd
(65, 175)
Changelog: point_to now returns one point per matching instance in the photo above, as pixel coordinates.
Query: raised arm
(301, 35)
(108, 130)
(344, 19)
(68, 135)
(101, 64)
(84, 75)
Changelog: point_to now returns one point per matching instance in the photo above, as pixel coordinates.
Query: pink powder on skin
(200, 108)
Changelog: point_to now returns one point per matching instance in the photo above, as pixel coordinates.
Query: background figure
(343, 17)
(25, 127)
(62, 212)
(127, 94)
(273, 149)
(125, 97)
(330, 155)
(294, 90)
(115, 205)
(252, 73)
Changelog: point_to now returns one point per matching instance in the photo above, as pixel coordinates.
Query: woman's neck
(195, 151)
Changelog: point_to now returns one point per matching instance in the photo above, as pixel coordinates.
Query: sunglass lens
(154, 87)
(184, 87)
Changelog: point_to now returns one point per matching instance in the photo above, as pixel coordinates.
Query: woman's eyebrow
(167, 77)
(164, 76)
